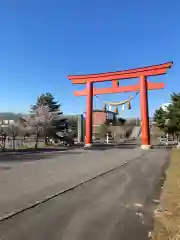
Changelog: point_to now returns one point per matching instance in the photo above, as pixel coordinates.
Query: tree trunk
(46, 141)
(13, 143)
(173, 136)
(177, 136)
(37, 140)
(3, 143)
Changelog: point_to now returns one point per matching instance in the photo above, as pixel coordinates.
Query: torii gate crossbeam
(142, 86)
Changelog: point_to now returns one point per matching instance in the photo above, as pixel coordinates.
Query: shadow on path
(34, 155)
(51, 152)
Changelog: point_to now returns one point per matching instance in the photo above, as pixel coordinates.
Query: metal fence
(21, 143)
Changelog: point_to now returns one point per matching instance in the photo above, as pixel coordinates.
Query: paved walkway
(114, 206)
(29, 177)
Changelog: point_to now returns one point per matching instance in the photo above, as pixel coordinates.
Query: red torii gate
(142, 86)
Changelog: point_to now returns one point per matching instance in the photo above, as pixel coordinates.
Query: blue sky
(42, 41)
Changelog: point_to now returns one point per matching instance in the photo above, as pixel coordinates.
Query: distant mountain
(10, 116)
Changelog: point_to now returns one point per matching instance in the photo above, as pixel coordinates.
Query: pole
(145, 136)
(89, 108)
(107, 138)
(80, 128)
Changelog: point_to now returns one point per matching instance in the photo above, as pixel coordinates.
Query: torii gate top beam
(125, 74)
(115, 76)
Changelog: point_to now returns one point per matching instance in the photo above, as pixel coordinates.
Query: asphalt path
(30, 177)
(116, 205)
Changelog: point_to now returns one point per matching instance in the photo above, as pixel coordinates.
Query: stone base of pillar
(146, 147)
(88, 145)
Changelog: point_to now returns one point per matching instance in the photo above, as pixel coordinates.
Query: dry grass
(167, 216)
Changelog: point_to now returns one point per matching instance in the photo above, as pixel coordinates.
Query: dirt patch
(167, 215)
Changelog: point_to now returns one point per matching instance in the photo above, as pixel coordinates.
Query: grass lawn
(167, 216)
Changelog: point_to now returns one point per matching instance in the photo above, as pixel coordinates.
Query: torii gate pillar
(142, 86)
(145, 135)
(89, 111)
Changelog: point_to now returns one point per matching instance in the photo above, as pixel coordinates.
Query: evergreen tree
(173, 115)
(169, 121)
(47, 99)
(160, 118)
(174, 111)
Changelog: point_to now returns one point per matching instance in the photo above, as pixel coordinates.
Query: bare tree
(39, 121)
(13, 130)
(2, 139)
